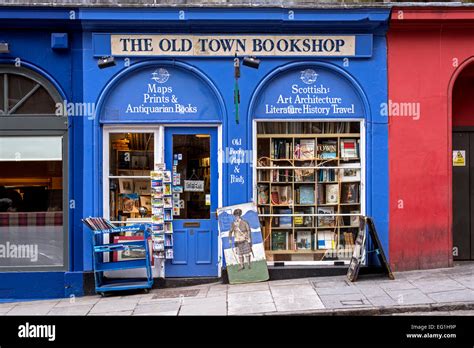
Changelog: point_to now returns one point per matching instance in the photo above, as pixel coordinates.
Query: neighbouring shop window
(23, 95)
(131, 158)
(308, 189)
(31, 201)
(33, 162)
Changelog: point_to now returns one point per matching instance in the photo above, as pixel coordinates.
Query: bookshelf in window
(308, 189)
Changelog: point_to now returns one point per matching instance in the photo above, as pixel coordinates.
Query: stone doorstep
(435, 307)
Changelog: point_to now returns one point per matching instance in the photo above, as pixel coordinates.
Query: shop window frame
(158, 150)
(363, 178)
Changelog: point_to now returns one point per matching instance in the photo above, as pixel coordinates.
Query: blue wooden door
(192, 152)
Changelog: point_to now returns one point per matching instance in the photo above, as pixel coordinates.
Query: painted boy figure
(242, 233)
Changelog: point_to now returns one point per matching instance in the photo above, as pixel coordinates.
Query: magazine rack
(102, 227)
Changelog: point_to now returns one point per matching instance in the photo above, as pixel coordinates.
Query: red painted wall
(426, 50)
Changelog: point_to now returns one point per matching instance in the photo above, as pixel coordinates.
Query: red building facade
(430, 87)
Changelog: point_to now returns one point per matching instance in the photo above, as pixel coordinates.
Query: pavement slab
(344, 301)
(437, 285)
(207, 306)
(292, 291)
(247, 287)
(160, 308)
(71, 310)
(449, 290)
(409, 296)
(31, 309)
(252, 309)
(465, 295)
(114, 306)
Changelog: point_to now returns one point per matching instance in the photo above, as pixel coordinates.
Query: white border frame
(362, 151)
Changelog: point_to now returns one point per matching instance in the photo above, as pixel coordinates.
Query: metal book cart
(101, 228)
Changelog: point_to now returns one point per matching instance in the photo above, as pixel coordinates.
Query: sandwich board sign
(242, 242)
(359, 250)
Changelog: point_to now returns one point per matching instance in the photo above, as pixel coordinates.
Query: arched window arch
(26, 93)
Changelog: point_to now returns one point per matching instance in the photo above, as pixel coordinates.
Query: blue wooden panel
(180, 248)
(203, 244)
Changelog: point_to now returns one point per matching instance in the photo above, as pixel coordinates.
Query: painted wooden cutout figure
(241, 232)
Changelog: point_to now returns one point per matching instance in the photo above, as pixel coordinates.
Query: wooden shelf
(315, 135)
(286, 147)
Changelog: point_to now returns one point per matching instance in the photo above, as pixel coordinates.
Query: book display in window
(303, 240)
(131, 158)
(310, 172)
(279, 240)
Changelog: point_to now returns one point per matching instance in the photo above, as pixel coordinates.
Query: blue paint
(195, 248)
(207, 82)
(59, 41)
(161, 93)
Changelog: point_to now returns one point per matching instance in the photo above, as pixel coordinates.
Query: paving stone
(345, 301)
(339, 291)
(396, 285)
(113, 313)
(71, 310)
(162, 308)
(208, 300)
(115, 306)
(207, 306)
(252, 309)
(467, 281)
(249, 298)
(218, 287)
(216, 293)
(247, 287)
(4, 310)
(292, 291)
(320, 283)
(382, 301)
(285, 282)
(31, 309)
(298, 303)
(87, 300)
(466, 295)
(409, 297)
(374, 290)
(439, 285)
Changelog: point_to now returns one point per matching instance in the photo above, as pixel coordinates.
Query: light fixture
(106, 62)
(4, 47)
(251, 62)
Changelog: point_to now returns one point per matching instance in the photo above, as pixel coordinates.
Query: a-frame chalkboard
(360, 243)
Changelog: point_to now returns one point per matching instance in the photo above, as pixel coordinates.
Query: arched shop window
(33, 173)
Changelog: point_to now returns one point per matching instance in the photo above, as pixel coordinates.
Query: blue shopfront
(307, 120)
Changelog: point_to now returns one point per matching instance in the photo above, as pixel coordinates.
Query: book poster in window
(239, 229)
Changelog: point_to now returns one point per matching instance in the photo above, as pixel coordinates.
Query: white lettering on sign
(309, 98)
(159, 98)
(236, 157)
(228, 45)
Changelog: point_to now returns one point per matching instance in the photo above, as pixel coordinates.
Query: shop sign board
(229, 45)
(193, 185)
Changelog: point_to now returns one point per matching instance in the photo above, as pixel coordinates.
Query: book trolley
(102, 228)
